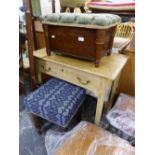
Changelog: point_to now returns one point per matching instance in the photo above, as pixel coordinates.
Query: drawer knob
(83, 82)
(52, 36)
(62, 70)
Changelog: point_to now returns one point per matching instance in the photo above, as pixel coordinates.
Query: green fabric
(52, 17)
(102, 21)
(68, 18)
(83, 19)
(36, 7)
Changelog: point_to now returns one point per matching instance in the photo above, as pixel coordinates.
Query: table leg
(112, 93)
(100, 102)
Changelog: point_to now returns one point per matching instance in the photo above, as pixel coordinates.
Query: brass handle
(82, 82)
(47, 70)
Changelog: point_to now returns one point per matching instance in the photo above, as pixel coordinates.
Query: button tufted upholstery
(86, 36)
(82, 20)
(56, 101)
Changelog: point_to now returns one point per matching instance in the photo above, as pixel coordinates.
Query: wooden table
(84, 74)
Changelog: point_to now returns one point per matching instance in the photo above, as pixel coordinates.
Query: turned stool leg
(97, 63)
(109, 52)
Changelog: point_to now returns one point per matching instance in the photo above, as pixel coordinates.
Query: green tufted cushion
(52, 17)
(82, 20)
(67, 18)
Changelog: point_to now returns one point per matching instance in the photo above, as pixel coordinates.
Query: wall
(46, 6)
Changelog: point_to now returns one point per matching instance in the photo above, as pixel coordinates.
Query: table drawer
(74, 76)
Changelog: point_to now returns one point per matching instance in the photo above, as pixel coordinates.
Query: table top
(110, 66)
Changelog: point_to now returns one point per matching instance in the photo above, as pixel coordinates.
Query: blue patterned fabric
(56, 101)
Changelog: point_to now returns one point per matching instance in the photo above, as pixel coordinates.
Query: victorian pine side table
(102, 81)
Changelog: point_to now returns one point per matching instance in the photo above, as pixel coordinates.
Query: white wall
(46, 6)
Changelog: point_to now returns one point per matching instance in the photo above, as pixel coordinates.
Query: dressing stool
(56, 101)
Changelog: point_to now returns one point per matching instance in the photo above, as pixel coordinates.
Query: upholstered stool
(56, 101)
(89, 36)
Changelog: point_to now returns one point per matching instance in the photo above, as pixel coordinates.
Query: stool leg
(79, 114)
(64, 129)
(38, 122)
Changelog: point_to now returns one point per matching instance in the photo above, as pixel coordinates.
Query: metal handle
(53, 36)
(47, 70)
(82, 82)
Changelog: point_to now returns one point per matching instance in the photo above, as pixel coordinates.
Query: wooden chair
(123, 36)
(72, 4)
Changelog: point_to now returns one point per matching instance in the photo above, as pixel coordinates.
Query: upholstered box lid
(96, 21)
